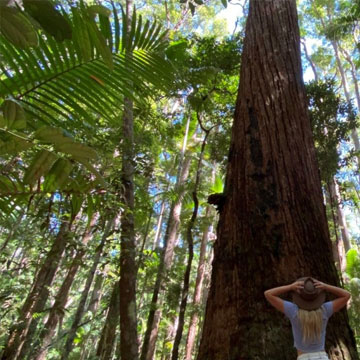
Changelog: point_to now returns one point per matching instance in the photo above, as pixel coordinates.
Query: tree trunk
(81, 307)
(190, 241)
(57, 311)
(337, 245)
(37, 297)
(335, 195)
(158, 226)
(166, 259)
(194, 318)
(272, 227)
(128, 268)
(108, 334)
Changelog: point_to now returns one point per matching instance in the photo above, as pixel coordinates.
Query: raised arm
(272, 295)
(343, 295)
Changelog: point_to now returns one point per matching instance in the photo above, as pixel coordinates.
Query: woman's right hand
(297, 286)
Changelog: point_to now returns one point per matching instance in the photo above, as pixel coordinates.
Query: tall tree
(272, 226)
(37, 296)
(127, 282)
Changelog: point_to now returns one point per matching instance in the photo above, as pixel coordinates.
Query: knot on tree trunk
(218, 200)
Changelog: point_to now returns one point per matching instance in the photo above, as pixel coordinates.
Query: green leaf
(224, 2)
(218, 186)
(90, 209)
(58, 176)
(76, 202)
(199, 2)
(78, 151)
(352, 262)
(6, 185)
(50, 135)
(192, 8)
(14, 146)
(100, 43)
(40, 165)
(50, 19)
(2, 122)
(99, 9)
(17, 28)
(14, 115)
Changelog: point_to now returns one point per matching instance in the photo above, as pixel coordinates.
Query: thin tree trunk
(190, 240)
(81, 307)
(127, 283)
(272, 228)
(37, 297)
(166, 259)
(158, 226)
(335, 194)
(12, 232)
(308, 58)
(337, 245)
(57, 311)
(95, 298)
(194, 318)
(108, 334)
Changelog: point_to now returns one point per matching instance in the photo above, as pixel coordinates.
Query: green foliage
(332, 119)
(353, 263)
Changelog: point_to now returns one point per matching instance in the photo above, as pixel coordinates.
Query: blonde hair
(311, 324)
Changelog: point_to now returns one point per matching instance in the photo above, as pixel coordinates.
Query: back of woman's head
(311, 324)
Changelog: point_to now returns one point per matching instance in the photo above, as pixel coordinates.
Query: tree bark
(57, 311)
(194, 318)
(108, 334)
(335, 195)
(81, 307)
(128, 267)
(272, 228)
(158, 226)
(37, 297)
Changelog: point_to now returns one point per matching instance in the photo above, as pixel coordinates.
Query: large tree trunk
(57, 311)
(37, 297)
(272, 228)
(84, 295)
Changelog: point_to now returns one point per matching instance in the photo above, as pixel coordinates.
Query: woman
(308, 313)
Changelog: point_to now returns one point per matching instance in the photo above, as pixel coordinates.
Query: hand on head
(319, 285)
(297, 286)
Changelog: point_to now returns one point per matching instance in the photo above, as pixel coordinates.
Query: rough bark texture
(128, 267)
(37, 297)
(272, 227)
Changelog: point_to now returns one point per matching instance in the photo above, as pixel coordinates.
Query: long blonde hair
(311, 324)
